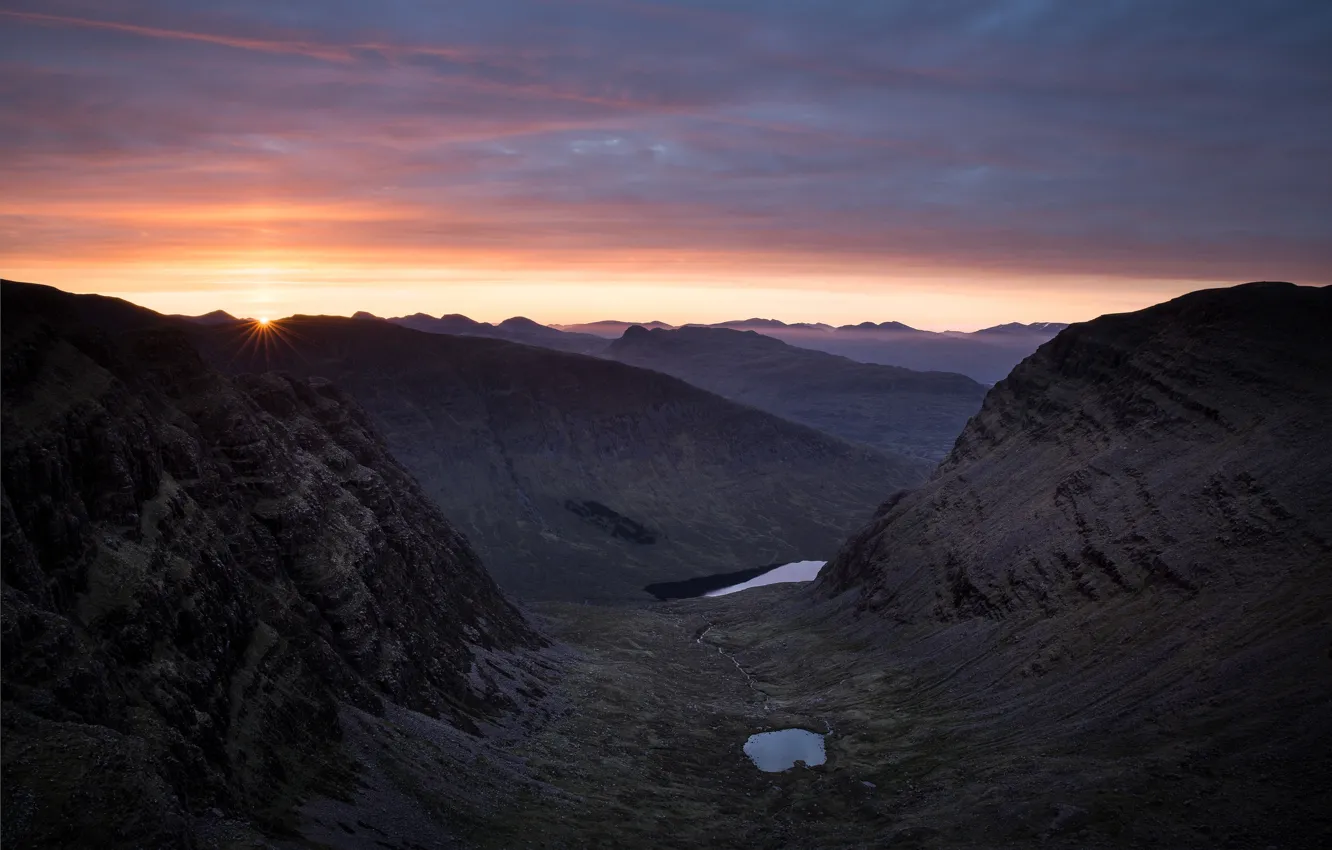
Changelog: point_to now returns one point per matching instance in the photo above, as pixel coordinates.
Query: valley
(941, 736)
(387, 461)
(234, 618)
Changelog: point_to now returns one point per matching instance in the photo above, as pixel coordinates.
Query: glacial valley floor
(646, 750)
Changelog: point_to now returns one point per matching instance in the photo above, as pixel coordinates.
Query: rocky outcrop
(199, 574)
(1174, 450)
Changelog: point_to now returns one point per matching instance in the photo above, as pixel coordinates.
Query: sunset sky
(945, 164)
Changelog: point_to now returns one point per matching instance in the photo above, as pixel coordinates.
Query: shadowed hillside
(206, 580)
(1171, 449)
(1122, 575)
(583, 478)
(893, 409)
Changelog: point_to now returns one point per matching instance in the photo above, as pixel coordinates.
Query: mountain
(219, 595)
(881, 326)
(746, 324)
(985, 356)
(609, 328)
(894, 409)
(1193, 425)
(217, 317)
(516, 329)
(1017, 328)
(577, 477)
(1120, 577)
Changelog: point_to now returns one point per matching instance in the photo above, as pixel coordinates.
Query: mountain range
(893, 409)
(574, 477)
(985, 355)
(247, 601)
(578, 477)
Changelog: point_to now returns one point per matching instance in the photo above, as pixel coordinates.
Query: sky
(946, 164)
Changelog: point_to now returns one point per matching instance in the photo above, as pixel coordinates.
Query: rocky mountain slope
(582, 478)
(894, 409)
(204, 578)
(1171, 448)
(1119, 580)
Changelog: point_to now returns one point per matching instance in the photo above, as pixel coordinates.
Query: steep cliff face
(1177, 450)
(198, 572)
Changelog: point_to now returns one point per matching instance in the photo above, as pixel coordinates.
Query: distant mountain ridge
(515, 329)
(985, 355)
(217, 317)
(891, 408)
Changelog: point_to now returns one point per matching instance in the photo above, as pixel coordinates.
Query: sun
(263, 320)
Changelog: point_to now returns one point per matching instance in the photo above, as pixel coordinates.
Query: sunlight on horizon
(938, 300)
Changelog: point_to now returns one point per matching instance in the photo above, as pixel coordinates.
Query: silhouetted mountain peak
(1048, 328)
(522, 323)
(881, 326)
(216, 317)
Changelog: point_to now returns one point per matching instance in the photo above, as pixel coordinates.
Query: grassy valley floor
(647, 751)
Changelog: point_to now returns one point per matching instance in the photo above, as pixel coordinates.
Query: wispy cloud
(1131, 140)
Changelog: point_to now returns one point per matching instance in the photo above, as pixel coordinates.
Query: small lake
(798, 571)
(773, 752)
(720, 584)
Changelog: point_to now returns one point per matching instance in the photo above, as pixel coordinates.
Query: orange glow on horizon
(582, 290)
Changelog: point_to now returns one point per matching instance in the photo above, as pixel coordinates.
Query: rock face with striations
(199, 573)
(1177, 448)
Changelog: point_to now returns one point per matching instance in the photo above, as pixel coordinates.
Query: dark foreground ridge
(205, 581)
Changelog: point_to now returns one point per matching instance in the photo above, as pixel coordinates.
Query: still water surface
(773, 752)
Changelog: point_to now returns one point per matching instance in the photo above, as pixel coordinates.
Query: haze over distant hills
(516, 329)
(610, 328)
(895, 409)
(985, 355)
